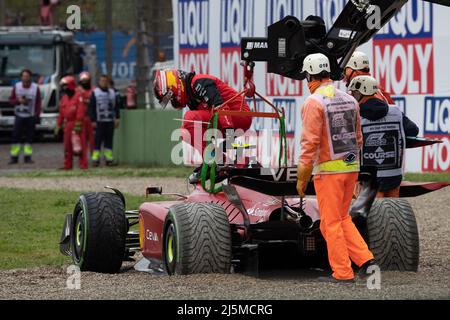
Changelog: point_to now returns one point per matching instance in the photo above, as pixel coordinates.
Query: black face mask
(69, 92)
(86, 85)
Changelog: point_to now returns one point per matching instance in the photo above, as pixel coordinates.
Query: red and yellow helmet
(170, 85)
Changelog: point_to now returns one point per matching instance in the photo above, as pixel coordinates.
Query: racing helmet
(68, 81)
(316, 63)
(170, 85)
(366, 85)
(358, 61)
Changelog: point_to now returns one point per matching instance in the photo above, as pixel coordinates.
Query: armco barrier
(143, 138)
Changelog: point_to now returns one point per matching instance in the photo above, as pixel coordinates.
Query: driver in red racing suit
(200, 93)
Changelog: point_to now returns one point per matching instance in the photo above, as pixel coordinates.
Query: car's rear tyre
(197, 239)
(98, 232)
(392, 235)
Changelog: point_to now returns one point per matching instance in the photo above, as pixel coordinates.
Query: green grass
(177, 172)
(31, 224)
(427, 177)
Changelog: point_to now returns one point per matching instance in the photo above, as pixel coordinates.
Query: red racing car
(256, 216)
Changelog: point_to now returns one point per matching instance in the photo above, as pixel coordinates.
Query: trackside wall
(144, 137)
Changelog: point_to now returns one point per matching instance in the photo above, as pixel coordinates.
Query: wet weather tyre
(99, 231)
(392, 235)
(196, 239)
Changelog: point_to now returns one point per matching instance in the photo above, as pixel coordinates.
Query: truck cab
(50, 54)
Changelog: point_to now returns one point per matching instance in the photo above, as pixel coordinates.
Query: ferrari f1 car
(238, 215)
(257, 213)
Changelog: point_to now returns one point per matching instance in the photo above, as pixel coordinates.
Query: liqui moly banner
(193, 35)
(436, 158)
(236, 21)
(409, 57)
(403, 51)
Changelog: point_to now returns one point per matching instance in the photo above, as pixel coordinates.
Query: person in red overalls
(72, 113)
(85, 89)
(200, 93)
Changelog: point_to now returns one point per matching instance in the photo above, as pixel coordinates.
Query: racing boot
(195, 177)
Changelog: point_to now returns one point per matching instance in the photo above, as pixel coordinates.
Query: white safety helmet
(358, 61)
(366, 85)
(316, 63)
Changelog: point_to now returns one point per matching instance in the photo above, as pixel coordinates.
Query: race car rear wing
(289, 187)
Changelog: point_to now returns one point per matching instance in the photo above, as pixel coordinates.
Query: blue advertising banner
(124, 53)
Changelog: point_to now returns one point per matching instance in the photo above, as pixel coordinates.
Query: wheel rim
(79, 233)
(79, 236)
(170, 252)
(170, 248)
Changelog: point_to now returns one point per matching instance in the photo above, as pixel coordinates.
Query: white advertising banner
(409, 57)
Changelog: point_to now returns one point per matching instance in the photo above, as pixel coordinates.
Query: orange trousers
(344, 242)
